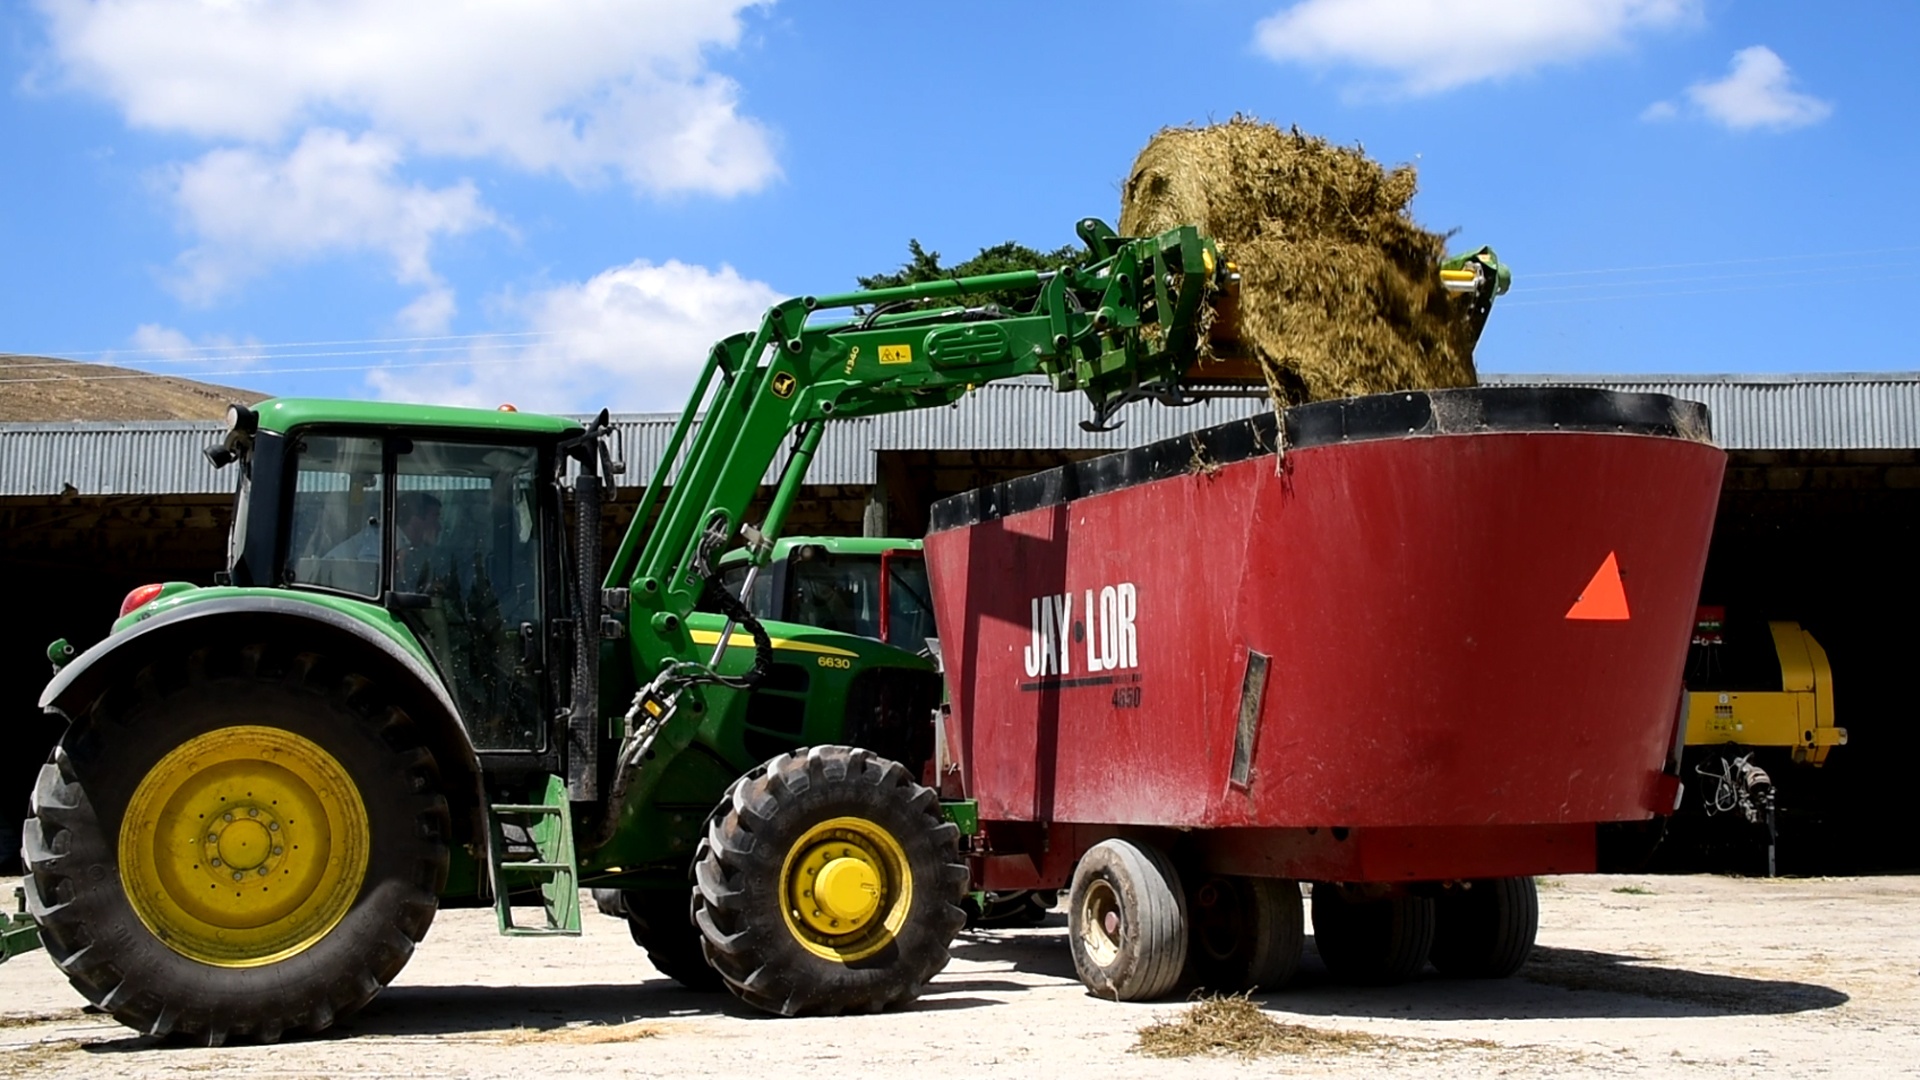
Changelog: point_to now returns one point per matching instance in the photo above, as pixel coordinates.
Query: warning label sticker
(1605, 597)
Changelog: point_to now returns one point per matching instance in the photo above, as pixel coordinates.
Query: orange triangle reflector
(1605, 597)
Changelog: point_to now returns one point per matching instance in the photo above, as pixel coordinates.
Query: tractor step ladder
(553, 869)
(18, 933)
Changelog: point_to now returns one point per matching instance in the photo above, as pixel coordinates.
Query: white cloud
(318, 111)
(632, 338)
(1757, 93)
(1660, 111)
(333, 194)
(155, 346)
(1429, 46)
(582, 88)
(431, 312)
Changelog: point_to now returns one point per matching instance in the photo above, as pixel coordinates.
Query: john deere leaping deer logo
(782, 385)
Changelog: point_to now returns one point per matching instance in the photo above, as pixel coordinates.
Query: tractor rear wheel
(828, 882)
(238, 843)
(1247, 933)
(661, 923)
(1127, 921)
(1371, 941)
(1486, 931)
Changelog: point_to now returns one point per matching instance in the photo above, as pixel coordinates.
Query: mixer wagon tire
(1247, 933)
(1486, 931)
(661, 923)
(828, 882)
(236, 843)
(1373, 942)
(1127, 921)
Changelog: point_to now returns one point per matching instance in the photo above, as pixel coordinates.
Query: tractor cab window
(844, 593)
(451, 529)
(339, 512)
(734, 578)
(466, 547)
(909, 603)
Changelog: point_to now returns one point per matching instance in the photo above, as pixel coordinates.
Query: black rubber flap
(1401, 415)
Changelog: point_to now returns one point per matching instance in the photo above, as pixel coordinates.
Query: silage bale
(1340, 290)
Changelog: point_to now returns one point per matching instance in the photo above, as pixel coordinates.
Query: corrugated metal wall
(1807, 412)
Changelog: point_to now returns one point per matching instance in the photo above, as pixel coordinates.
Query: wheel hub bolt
(216, 863)
(237, 875)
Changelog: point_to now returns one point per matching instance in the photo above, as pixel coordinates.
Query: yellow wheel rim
(244, 846)
(847, 889)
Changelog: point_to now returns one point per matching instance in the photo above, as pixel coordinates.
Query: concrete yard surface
(1633, 976)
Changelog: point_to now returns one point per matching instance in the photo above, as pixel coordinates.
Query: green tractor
(419, 682)
(865, 586)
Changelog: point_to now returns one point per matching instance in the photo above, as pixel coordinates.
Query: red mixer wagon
(1413, 648)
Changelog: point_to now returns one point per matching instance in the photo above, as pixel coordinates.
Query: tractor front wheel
(828, 882)
(660, 922)
(235, 844)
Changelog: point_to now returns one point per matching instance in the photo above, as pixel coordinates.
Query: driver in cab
(418, 514)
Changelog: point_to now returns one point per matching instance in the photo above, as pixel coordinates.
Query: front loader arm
(1125, 325)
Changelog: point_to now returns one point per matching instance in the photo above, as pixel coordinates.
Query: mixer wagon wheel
(235, 843)
(1127, 921)
(828, 882)
(660, 924)
(1372, 941)
(1486, 931)
(1247, 933)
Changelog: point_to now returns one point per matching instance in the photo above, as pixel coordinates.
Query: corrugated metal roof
(1750, 412)
(1838, 411)
(1019, 414)
(97, 457)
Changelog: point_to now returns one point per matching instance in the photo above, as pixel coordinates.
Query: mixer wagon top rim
(1401, 414)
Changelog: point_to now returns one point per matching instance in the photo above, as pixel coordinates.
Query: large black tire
(237, 700)
(1373, 942)
(1247, 933)
(1127, 921)
(838, 807)
(1486, 931)
(1020, 907)
(661, 923)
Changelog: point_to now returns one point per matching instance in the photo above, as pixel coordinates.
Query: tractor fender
(410, 684)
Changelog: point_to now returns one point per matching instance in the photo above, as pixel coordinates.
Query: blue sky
(561, 204)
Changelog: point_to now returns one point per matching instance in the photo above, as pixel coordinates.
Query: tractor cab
(865, 586)
(447, 519)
